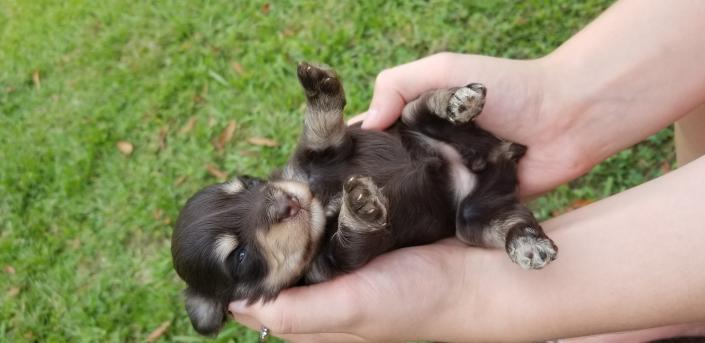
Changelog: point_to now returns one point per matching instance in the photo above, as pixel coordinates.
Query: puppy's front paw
(319, 82)
(466, 103)
(365, 201)
(531, 251)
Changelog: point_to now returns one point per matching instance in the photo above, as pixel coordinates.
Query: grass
(85, 228)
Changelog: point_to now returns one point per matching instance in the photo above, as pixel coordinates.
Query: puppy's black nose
(287, 206)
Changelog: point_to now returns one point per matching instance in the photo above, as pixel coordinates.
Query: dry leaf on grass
(36, 78)
(125, 147)
(158, 213)
(75, 243)
(163, 132)
(216, 172)
(199, 99)
(262, 141)
(13, 291)
(10, 270)
(249, 153)
(288, 32)
(237, 67)
(225, 136)
(180, 180)
(190, 124)
(265, 8)
(159, 331)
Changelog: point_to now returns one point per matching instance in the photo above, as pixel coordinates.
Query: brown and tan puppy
(348, 195)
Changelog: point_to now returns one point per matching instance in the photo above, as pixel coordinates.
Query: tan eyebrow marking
(224, 245)
(233, 186)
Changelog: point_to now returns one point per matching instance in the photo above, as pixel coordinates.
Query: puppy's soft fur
(348, 195)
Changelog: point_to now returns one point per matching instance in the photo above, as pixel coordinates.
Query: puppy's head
(243, 239)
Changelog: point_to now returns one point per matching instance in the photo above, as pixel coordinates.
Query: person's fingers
(396, 86)
(310, 309)
(247, 320)
(255, 325)
(356, 119)
(322, 337)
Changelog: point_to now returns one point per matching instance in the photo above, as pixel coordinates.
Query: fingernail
(238, 306)
(370, 119)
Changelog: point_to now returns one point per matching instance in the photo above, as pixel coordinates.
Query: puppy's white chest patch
(462, 179)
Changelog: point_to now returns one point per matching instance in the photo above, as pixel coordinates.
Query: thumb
(396, 86)
(385, 107)
(318, 308)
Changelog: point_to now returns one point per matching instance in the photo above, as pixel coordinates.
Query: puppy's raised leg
(324, 135)
(447, 115)
(458, 105)
(325, 99)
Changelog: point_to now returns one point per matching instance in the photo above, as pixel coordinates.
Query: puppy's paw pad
(317, 80)
(466, 103)
(532, 252)
(364, 200)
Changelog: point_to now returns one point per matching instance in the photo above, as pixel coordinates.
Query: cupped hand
(516, 109)
(415, 293)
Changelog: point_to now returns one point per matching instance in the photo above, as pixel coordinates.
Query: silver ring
(263, 334)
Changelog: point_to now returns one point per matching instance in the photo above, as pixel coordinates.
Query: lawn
(112, 113)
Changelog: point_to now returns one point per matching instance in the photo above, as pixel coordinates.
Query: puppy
(348, 195)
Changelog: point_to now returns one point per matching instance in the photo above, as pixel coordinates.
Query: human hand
(515, 109)
(434, 292)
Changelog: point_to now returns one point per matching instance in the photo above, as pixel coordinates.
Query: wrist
(487, 300)
(567, 106)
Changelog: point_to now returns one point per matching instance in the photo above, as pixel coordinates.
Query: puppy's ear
(207, 314)
(516, 151)
(250, 181)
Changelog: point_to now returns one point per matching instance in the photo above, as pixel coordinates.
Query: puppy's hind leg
(529, 247)
(363, 231)
(458, 105)
(512, 227)
(447, 115)
(325, 99)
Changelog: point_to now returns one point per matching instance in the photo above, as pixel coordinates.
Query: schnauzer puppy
(348, 195)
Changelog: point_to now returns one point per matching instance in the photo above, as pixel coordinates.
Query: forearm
(631, 261)
(634, 70)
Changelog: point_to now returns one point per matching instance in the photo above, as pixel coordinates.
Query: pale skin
(632, 261)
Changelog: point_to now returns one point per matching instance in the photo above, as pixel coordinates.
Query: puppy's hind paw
(531, 251)
(466, 103)
(365, 201)
(316, 80)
